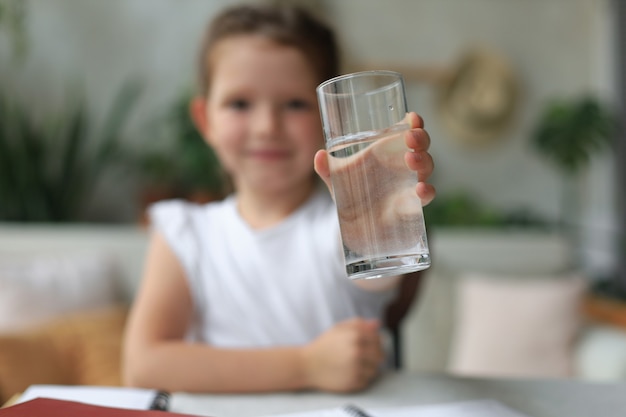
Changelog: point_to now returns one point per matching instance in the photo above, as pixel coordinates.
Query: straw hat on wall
(479, 97)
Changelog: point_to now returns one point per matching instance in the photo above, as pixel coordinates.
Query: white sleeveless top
(279, 286)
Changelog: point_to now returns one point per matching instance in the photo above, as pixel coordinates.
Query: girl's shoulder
(178, 205)
(179, 211)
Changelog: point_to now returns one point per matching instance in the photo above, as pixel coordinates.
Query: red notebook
(46, 407)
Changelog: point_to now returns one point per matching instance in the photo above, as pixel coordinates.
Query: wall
(557, 47)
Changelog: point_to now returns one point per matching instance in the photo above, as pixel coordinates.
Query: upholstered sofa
(494, 303)
(64, 296)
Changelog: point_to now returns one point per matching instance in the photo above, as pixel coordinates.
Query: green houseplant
(461, 209)
(185, 166)
(568, 133)
(49, 167)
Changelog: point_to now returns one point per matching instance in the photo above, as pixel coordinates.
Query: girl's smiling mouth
(269, 154)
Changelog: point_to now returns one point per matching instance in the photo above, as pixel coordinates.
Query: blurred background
(117, 75)
(522, 99)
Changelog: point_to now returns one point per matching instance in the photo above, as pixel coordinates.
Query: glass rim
(358, 74)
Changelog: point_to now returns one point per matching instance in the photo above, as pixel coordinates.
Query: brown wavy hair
(286, 25)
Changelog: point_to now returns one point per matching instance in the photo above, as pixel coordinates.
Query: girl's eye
(239, 104)
(297, 104)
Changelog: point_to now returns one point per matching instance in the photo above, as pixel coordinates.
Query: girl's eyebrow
(234, 94)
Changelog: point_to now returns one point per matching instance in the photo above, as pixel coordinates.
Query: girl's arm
(156, 355)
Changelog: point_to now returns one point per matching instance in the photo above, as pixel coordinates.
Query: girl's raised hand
(418, 159)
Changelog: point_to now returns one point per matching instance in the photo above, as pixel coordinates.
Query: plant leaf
(120, 110)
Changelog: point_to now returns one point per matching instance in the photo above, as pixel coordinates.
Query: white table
(537, 398)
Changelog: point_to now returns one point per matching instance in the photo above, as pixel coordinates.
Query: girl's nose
(267, 121)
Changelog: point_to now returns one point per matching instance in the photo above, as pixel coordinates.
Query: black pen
(355, 411)
(161, 401)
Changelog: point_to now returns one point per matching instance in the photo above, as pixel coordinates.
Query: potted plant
(461, 209)
(569, 133)
(185, 166)
(49, 167)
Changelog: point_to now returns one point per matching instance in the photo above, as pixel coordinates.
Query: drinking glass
(364, 117)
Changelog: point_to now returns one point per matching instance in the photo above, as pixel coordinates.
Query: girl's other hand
(345, 358)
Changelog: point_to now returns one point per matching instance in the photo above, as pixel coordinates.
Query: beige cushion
(516, 326)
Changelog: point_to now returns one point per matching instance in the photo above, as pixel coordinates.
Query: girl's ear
(197, 110)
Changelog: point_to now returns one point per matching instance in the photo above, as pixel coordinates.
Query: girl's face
(261, 113)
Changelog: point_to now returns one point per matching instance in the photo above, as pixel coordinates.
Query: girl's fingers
(418, 159)
(414, 120)
(320, 163)
(421, 162)
(426, 192)
(417, 139)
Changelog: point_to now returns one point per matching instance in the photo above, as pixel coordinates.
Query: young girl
(249, 294)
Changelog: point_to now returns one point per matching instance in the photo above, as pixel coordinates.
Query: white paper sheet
(480, 408)
(121, 397)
